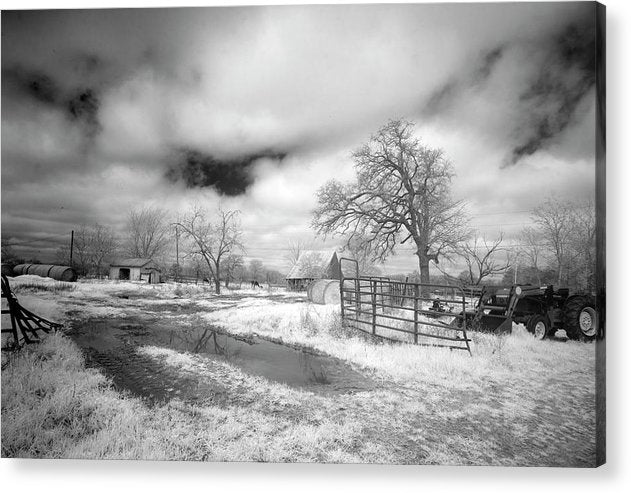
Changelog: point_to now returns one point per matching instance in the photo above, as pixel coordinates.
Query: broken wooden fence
(425, 314)
(24, 323)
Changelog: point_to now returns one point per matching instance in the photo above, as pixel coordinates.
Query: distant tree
(273, 276)
(529, 275)
(93, 246)
(231, 265)
(554, 219)
(103, 244)
(175, 271)
(211, 240)
(480, 257)
(147, 233)
(531, 250)
(310, 265)
(401, 192)
(81, 251)
(256, 270)
(62, 255)
(294, 249)
(8, 254)
(242, 274)
(583, 246)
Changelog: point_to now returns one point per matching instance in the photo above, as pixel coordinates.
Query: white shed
(135, 269)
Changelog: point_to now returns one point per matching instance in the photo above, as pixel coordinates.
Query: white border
(113, 476)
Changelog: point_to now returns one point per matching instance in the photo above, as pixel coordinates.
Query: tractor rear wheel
(538, 326)
(580, 319)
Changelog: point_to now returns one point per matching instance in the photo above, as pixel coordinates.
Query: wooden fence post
(416, 295)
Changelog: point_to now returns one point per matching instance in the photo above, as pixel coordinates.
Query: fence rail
(425, 314)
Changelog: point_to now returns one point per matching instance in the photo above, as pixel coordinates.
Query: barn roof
(311, 264)
(134, 262)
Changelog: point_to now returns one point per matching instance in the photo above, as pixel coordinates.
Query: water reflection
(272, 360)
(257, 356)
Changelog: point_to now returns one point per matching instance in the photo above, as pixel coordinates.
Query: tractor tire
(538, 326)
(580, 319)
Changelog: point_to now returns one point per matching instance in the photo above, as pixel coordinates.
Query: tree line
(208, 244)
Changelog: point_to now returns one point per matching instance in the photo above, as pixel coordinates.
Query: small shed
(312, 265)
(135, 269)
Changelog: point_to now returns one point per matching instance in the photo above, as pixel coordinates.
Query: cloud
(258, 106)
(227, 176)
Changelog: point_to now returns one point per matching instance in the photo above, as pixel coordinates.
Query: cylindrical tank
(58, 272)
(7, 270)
(324, 291)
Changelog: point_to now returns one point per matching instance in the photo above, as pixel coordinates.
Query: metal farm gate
(423, 314)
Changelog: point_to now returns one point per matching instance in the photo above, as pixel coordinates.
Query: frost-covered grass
(53, 407)
(34, 284)
(515, 401)
(493, 357)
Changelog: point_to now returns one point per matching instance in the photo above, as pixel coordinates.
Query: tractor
(543, 310)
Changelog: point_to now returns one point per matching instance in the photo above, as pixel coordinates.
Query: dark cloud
(79, 105)
(476, 75)
(565, 77)
(31, 84)
(489, 60)
(229, 177)
(83, 107)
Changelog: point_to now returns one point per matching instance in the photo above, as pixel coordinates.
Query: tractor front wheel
(538, 326)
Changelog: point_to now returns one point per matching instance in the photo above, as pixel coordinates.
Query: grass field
(515, 401)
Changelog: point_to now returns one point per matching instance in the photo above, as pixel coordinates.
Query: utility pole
(71, 245)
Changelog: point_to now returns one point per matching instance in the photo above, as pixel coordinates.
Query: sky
(255, 108)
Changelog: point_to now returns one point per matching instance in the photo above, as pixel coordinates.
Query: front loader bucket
(498, 324)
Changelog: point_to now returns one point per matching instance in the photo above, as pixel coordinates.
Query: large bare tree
(147, 232)
(401, 193)
(212, 239)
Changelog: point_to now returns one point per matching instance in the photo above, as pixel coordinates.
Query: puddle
(110, 345)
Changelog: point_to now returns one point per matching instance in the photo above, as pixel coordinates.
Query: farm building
(312, 265)
(135, 269)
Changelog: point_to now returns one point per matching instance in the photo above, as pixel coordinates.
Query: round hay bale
(21, 269)
(324, 291)
(57, 272)
(63, 273)
(7, 270)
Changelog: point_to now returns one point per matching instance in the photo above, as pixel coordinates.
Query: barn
(312, 265)
(135, 269)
